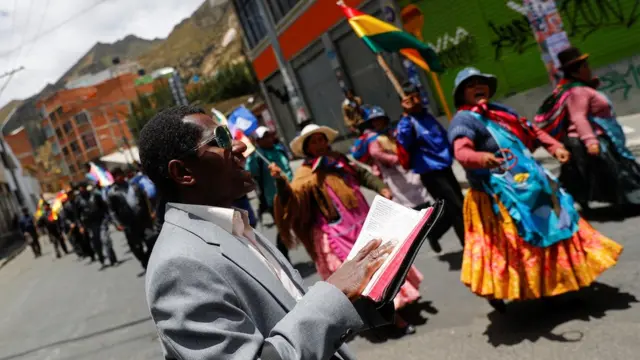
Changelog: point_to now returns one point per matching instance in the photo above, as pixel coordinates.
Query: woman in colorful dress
(324, 208)
(524, 239)
(601, 167)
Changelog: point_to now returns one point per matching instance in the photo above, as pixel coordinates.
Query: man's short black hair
(410, 88)
(117, 171)
(164, 138)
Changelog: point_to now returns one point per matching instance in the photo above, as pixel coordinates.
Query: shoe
(435, 245)
(498, 305)
(408, 330)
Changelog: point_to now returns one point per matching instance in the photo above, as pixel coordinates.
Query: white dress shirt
(236, 222)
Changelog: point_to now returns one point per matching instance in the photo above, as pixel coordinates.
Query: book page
(388, 221)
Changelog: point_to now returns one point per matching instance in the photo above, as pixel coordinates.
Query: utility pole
(294, 94)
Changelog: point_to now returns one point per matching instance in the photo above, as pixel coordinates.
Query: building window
(65, 150)
(59, 133)
(72, 169)
(251, 21)
(55, 149)
(48, 131)
(280, 8)
(74, 147)
(81, 118)
(115, 120)
(67, 127)
(89, 140)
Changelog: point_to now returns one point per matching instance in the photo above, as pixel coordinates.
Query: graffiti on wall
(515, 35)
(621, 80)
(584, 17)
(457, 50)
(454, 50)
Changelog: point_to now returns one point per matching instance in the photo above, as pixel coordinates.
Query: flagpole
(443, 100)
(390, 75)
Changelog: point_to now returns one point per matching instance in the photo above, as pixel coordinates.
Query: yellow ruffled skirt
(499, 264)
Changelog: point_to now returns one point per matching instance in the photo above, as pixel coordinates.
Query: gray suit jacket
(211, 298)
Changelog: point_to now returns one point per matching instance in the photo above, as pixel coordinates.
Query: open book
(390, 221)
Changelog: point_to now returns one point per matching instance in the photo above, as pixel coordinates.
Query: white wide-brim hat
(298, 142)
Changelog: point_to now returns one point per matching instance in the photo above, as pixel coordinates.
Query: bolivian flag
(384, 37)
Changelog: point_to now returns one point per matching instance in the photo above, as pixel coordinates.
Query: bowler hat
(570, 57)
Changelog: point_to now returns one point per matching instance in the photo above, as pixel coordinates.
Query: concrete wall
(620, 82)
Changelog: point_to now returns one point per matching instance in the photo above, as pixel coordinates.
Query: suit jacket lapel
(234, 250)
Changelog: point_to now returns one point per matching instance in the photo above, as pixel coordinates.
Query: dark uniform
(28, 228)
(130, 209)
(72, 226)
(54, 228)
(94, 217)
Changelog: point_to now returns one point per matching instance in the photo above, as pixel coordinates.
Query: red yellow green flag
(384, 37)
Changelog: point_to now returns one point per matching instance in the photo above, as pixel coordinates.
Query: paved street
(65, 309)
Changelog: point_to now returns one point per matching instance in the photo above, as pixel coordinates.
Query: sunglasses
(219, 136)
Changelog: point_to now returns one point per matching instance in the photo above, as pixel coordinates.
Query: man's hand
(563, 155)
(81, 230)
(386, 192)
(275, 171)
(120, 227)
(594, 149)
(490, 160)
(354, 275)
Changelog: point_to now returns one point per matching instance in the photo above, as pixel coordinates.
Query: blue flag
(242, 119)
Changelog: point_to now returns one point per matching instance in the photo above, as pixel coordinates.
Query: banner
(548, 31)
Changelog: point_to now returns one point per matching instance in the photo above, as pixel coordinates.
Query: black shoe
(498, 305)
(435, 245)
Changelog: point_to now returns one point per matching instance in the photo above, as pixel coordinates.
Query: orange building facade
(84, 124)
(324, 58)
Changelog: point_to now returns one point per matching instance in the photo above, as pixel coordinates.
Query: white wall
(29, 186)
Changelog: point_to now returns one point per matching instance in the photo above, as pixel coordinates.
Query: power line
(9, 75)
(38, 32)
(57, 26)
(17, 59)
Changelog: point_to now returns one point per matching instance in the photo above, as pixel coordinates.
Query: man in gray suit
(217, 289)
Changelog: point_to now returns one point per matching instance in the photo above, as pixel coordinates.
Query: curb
(13, 255)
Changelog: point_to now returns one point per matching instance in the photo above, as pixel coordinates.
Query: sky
(29, 37)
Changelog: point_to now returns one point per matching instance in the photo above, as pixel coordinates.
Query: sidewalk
(631, 124)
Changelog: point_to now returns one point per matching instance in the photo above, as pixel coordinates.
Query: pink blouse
(582, 102)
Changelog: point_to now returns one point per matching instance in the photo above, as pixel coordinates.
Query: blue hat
(370, 113)
(467, 74)
(375, 112)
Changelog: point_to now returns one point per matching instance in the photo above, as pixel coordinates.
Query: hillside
(99, 57)
(194, 46)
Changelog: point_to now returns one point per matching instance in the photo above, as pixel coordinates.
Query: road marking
(628, 130)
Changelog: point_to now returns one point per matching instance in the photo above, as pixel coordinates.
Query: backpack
(360, 148)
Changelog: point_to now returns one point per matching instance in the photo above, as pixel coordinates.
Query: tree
(229, 82)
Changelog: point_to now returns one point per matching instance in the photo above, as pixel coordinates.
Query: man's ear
(180, 173)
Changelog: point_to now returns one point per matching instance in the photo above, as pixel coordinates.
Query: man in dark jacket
(94, 218)
(52, 223)
(130, 209)
(74, 229)
(28, 228)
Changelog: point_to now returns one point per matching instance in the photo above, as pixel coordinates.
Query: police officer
(94, 218)
(131, 212)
